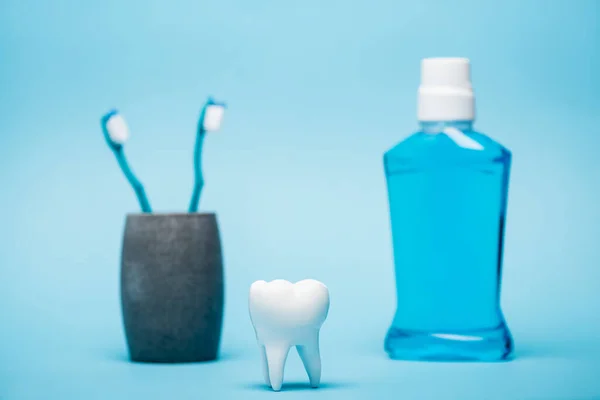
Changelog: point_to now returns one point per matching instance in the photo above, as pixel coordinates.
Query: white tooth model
(285, 314)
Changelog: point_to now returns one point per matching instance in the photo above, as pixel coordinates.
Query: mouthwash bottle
(447, 187)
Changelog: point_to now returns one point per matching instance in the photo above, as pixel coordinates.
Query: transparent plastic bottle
(447, 187)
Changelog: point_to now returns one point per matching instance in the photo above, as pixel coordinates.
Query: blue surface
(316, 93)
(447, 199)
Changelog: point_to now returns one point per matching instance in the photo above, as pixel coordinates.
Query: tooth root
(311, 358)
(276, 357)
(263, 355)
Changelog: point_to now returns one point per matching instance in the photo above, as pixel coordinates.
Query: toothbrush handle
(137, 186)
(198, 176)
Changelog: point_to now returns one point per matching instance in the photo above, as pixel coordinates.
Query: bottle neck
(439, 126)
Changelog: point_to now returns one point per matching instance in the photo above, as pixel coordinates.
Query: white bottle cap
(445, 93)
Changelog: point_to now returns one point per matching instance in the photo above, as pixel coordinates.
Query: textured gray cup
(172, 287)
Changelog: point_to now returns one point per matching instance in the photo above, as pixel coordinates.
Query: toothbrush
(116, 133)
(210, 120)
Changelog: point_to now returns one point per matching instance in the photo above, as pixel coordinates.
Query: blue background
(317, 91)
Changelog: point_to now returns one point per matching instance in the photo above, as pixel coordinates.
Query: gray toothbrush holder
(172, 291)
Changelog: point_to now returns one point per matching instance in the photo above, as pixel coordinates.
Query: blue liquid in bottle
(447, 187)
